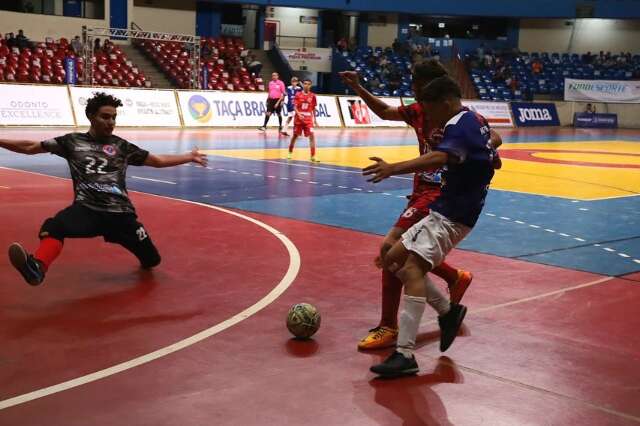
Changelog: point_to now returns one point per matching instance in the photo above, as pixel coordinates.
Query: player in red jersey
(305, 118)
(426, 188)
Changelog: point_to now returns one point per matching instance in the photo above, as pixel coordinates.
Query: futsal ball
(303, 320)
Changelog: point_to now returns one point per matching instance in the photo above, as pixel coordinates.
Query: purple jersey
(466, 177)
(292, 91)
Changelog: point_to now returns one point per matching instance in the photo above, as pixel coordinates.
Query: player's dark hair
(424, 72)
(440, 89)
(99, 100)
(307, 79)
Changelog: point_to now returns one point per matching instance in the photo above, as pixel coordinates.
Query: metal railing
(89, 34)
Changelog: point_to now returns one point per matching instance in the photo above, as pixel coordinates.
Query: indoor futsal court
(550, 338)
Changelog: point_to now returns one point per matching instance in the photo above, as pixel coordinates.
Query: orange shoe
(456, 291)
(379, 337)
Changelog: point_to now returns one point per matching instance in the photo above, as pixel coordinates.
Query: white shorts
(434, 237)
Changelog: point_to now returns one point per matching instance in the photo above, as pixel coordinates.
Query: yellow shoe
(456, 291)
(379, 337)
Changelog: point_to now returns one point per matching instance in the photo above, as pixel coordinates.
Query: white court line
(285, 282)
(541, 296)
(314, 167)
(153, 180)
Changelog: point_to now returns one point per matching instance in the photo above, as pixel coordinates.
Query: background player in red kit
(98, 162)
(305, 118)
(426, 189)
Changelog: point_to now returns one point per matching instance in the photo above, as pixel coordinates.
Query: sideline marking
(284, 284)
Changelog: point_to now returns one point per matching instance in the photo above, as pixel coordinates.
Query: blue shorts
(290, 108)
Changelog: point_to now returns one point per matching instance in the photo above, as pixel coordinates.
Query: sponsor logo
(200, 108)
(110, 150)
(534, 114)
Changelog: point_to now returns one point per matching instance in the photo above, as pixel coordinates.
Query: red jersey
(305, 104)
(428, 137)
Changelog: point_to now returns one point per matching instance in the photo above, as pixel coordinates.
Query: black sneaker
(262, 128)
(28, 266)
(396, 365)
(450, 325)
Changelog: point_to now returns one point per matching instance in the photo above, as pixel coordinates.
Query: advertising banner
(243, 109)
(356, 113)
(141, 108)
(526, 114)
(497, 113)
(309, 59)
(602, 121)
(70, 69)
(626, 92)
(28, 105)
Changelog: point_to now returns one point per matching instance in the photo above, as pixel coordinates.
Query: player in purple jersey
(466, 155)
(98, 162)
(292, 91)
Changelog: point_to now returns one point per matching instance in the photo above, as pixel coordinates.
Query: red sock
(447, 273)
(391, 294)
(291, 147)
(49, 249)
(313, 151)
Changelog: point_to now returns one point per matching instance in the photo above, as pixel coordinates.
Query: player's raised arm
(382, 170)
(194, 156)
(22, 147)
(382, 110)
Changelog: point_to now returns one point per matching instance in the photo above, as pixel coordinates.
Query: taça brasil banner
(243, 109)
(627, 92)
(27, 105)
(141, 108)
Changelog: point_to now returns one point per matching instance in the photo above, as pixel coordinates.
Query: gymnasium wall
(169, 16)
(289, 24)
(38, 27)
(382, 33)
(553, 35)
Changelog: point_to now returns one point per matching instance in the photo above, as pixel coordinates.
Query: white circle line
(285, 282)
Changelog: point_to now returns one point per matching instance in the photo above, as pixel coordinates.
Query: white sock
(410, 317)
(435, 298)
(286, 124)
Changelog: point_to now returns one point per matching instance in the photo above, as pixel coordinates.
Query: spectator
(590, 109)
(76, 45)
(342, 44)
(205, 52)
(396, 46)
(480, 51)
(374, 83)
(22, 41)
(536, 67)
(353, 45)
(372, 62)
(96, 46)
(11, 40)
(255, 66)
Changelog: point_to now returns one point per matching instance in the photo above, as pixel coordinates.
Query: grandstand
(44, 63)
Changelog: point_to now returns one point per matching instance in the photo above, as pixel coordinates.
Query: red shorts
(300, 127)
(418, 208)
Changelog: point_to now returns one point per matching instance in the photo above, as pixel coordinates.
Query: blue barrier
(527, 114)
(601, 121)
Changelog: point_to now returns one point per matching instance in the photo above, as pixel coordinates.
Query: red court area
(541, 345)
